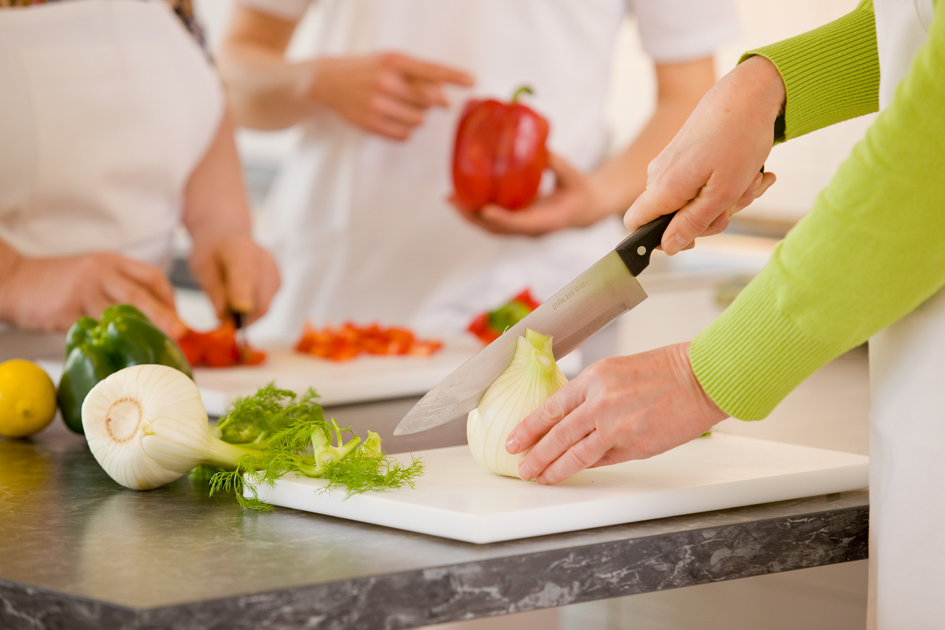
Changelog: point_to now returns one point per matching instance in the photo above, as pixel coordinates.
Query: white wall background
(804, 166)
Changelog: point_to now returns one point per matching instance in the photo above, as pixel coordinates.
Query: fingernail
(512, 445)
(673, 245)
(525, 472)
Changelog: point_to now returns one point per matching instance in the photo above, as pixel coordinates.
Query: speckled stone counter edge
(517, 583)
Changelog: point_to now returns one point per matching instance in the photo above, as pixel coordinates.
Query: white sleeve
(674, 31)
(291, 10)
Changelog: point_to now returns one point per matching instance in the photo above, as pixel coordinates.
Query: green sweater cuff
(840, 81)
(756, 341)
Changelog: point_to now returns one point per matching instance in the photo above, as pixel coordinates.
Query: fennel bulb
(532, 376)
(146, 427)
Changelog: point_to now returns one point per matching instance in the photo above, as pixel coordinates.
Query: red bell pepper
(499, 154)
(489, 326)
(218, 348)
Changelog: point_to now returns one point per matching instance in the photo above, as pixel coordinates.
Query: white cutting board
(456, 498)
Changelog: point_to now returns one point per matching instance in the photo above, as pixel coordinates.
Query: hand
(49, 294)
(617, 409)
(386, 94)
(575, 202)
(710, 170)
(237, 274)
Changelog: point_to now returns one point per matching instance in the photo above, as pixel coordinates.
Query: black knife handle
(635, 249)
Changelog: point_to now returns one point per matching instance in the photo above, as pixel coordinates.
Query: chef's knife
(606, 290)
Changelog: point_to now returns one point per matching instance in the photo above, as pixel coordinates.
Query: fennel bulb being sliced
(532, 376)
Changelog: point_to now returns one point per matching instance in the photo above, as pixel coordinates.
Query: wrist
(212, 239)
(710, 408)
(607, 196)
(762, 85)
(312, 77)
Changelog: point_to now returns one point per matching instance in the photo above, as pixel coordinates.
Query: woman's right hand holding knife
(711, 169)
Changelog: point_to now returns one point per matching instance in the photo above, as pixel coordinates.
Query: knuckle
(581, 458)
(553, 410)
(391, 59)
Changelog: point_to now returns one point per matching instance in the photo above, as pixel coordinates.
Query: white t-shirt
(360, 224)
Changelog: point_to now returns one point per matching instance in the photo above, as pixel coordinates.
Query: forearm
(215, 203)
(679, 89)
(868, 253)
(265, 90)
(623, 178)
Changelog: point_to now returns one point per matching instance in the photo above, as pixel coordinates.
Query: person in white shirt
(360, 218)
(112, 131)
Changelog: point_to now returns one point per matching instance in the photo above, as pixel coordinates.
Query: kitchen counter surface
(78, 551)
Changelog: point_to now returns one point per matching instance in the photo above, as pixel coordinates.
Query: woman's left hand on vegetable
(617, 409)
(237, 274)
(574, 202)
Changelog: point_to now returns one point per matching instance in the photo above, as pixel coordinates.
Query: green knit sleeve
(830, 74)
(871, 250)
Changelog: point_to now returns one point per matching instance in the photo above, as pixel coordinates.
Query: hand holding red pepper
(576, 201)
(498, 161)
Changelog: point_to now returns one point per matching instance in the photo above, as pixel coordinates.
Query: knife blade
(238, 323)
(595, 298)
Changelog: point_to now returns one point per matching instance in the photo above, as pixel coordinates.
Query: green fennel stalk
(292, 435)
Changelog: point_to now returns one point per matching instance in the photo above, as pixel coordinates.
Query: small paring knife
(238, 322)
(595, 298)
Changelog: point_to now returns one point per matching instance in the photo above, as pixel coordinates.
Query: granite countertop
(78, 551)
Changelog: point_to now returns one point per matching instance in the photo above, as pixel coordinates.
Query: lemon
(27, 398)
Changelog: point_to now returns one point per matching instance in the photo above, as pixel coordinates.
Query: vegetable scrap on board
(218, 348)
(490, 325)
(350, 340)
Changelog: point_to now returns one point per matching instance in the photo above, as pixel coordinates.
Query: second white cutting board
(362, 379)
(456, 498)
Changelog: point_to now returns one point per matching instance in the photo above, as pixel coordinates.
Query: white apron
(106, 107)
(907, 425)
(360, 224)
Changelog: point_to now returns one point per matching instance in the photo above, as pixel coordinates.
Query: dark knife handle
(635, 250)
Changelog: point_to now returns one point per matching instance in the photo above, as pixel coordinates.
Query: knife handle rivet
(641, 250)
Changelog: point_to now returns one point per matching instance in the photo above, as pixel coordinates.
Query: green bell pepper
(94, 349)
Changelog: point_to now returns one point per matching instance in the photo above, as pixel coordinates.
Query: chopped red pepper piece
(350, 340)
(218, 348)
(499, 154)
(490, 325)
